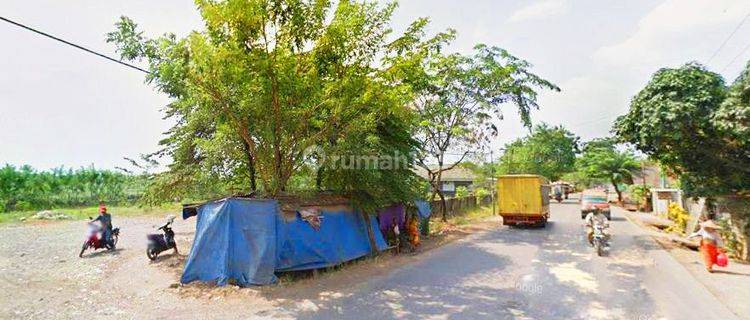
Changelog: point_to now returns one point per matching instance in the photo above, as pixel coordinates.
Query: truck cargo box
(523, 199)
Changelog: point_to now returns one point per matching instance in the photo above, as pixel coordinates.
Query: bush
(639, 192)
(679, 216)
(731, 243)
(462, 192)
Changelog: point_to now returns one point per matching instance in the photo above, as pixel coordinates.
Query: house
(452, 179)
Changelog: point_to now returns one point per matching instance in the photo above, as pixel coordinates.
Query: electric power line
(729, 37)
(736, 57)
(71, 44)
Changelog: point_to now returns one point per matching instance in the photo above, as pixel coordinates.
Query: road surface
(549, 273)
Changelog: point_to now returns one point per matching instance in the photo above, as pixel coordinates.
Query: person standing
(710, 243)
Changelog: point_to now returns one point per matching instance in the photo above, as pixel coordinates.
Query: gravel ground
(42, 277)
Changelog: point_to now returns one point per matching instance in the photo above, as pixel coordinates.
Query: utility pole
(493, 189)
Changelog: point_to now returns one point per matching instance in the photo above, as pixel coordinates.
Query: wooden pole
(370, 234)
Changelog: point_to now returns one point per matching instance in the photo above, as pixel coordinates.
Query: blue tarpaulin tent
(249, 239)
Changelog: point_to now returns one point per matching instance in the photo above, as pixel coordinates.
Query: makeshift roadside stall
(392, 221)
(248, 240)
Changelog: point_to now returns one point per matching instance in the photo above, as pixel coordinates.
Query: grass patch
(84, 213)
(477, 214)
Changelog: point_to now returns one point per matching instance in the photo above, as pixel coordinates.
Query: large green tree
(691, 122)
(458, 96)
(601, 160)
(269, 79)
(670, 121)
(548, 151)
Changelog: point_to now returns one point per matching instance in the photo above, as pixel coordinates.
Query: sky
(60, 106)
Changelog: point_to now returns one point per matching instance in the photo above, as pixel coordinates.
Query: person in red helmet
(105, 219)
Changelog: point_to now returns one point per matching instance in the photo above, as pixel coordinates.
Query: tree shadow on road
(468, 282)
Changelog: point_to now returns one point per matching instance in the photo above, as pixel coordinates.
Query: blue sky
(60, 106)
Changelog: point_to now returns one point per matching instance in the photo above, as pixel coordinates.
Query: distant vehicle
(523, 199)
(594, 198)
(561, 187)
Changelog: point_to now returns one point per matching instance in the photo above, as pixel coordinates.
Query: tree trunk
(250, 166)
(443, 209)
(319, 178)
(619, 192)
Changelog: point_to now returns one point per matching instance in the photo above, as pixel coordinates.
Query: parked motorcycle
(95, 239)
(158, 243)
(600, 239)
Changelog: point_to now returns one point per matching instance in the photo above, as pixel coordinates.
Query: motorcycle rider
(558, 193)
(105, 219)
(596, 217)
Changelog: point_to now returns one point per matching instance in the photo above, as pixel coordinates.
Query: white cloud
(676, 32)
(671, 34)
(540, 10)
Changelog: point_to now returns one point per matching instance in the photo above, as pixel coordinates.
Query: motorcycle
(600, 239)
(558, 197)
(95, 239)
(158, 243)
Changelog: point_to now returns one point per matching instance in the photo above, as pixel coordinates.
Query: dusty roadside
(731, 285)
(42, 277)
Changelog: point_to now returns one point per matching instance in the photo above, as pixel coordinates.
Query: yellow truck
(523, 199)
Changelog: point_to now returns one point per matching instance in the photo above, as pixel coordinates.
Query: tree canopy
(691, 122)
(601, 160)
(266, 81)
(457, 97)
(548, 151)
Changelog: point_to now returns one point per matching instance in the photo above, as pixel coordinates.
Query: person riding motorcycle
(558, 194)
(105, 219)
(596, 217)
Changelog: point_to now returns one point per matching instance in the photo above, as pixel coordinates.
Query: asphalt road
(549, 273)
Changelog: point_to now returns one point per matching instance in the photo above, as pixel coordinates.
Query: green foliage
(457, 96)
(689, 121)
(480, 193)
(27, 189)
(602, 161)
(581, 180)
(639, 192)
(462, 192)
(547, 151)
(269, 80)
(731, 243)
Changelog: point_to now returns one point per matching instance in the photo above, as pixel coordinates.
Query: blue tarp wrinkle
(248, 240)
(423, 208)
(342, 237)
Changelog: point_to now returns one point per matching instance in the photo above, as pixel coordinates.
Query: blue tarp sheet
(423, 208)
(248, 240)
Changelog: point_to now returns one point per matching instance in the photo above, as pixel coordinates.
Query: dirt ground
(41, 276)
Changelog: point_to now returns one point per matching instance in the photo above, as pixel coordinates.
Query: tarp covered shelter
(249, 239)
